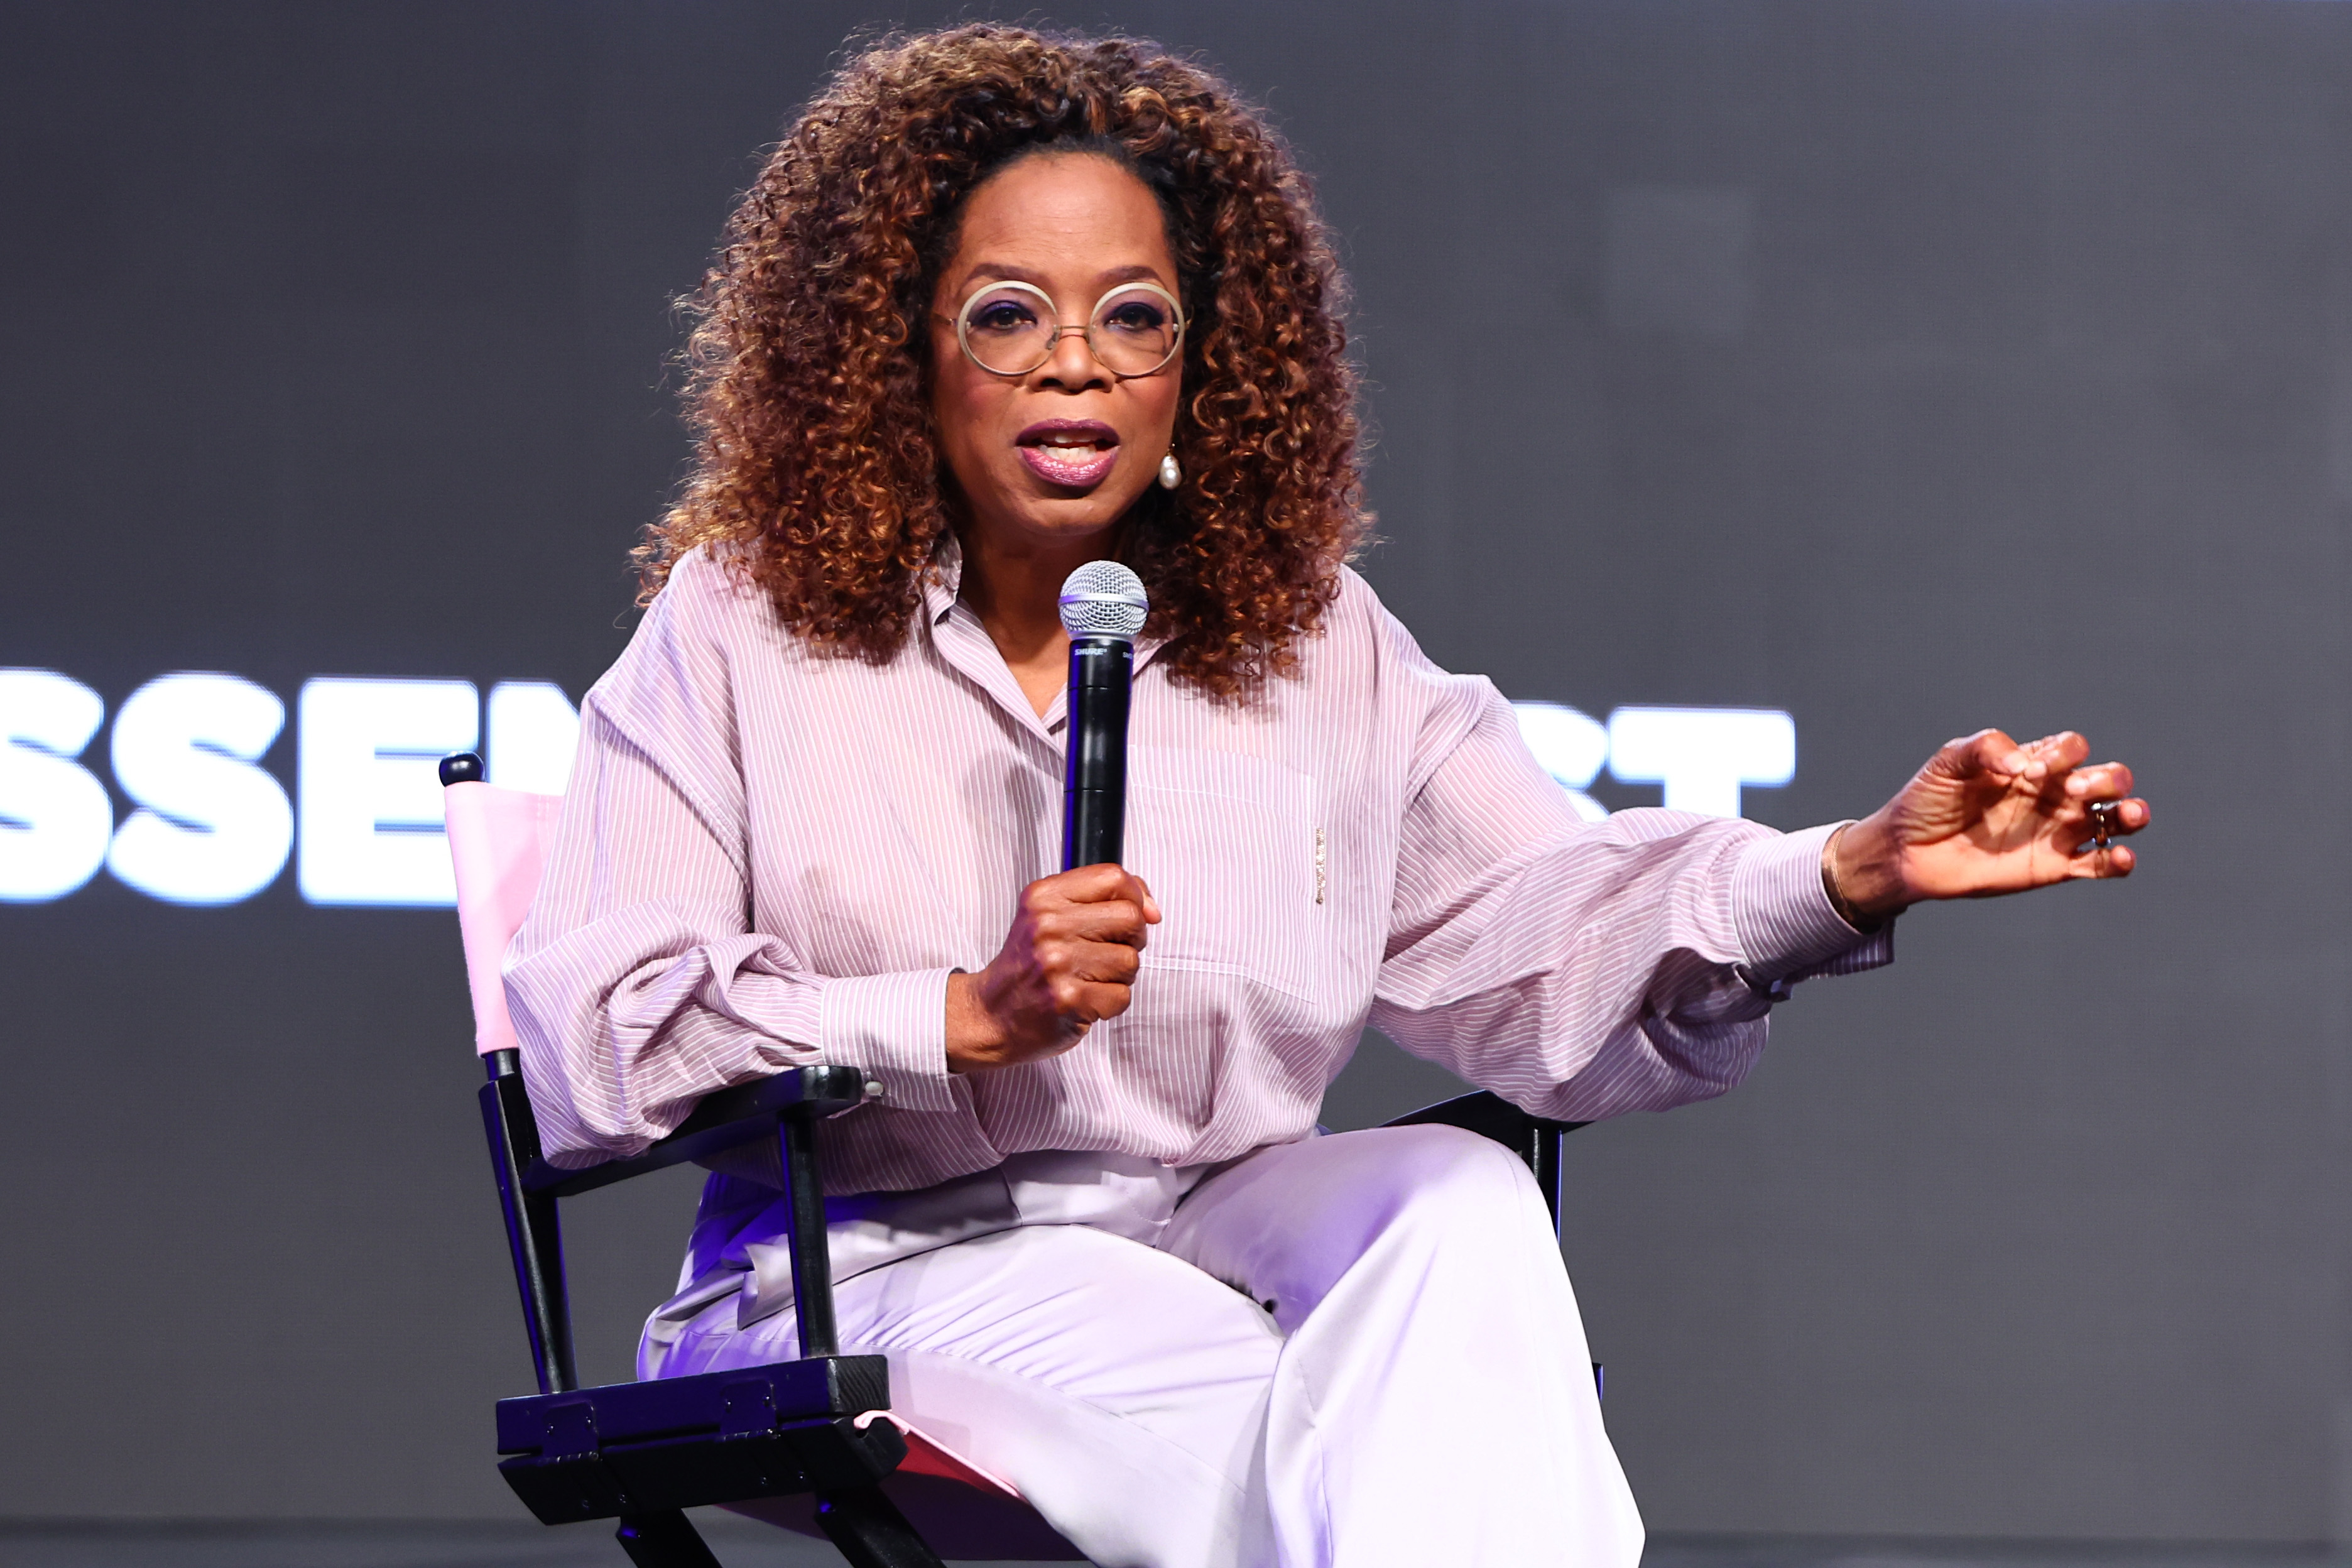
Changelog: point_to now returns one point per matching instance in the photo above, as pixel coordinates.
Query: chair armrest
(724, 1118)
(1488, 1115)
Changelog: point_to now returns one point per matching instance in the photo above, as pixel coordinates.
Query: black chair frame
(641, 1453)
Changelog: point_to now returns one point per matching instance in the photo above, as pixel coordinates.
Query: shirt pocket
(1229, 844)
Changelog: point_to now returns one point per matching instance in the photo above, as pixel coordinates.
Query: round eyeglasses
(1011, 328)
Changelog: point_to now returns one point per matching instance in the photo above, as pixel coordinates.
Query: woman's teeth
(1070, 459)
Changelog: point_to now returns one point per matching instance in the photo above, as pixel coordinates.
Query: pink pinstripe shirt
(769, 858)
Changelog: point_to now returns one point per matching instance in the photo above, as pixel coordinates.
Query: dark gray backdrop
(1911, 365)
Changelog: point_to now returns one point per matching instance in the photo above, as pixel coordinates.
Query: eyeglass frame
(963, 327)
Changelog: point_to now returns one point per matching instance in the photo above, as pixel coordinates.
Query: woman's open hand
(1987, 817)
(1070, 960)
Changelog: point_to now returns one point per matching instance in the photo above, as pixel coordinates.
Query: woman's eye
(1002, 316)
(1136, 316)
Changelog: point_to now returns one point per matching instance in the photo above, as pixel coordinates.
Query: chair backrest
(499, 840)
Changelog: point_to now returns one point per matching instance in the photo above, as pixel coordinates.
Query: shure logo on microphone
(209, 826)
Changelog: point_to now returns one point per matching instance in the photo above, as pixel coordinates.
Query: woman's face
(1052, 457)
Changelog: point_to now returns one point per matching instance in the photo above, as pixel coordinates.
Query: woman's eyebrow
(1110, 278)
(1002, 272)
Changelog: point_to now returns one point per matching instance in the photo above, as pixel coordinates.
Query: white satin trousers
(1359, 1351)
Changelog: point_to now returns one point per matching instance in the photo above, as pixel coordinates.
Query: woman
(999, 306)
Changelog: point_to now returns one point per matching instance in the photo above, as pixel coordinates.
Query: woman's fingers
(1116, 963)
(2105, 782)
(1088, 884)
(1099, 903)
(1986, 752)
(1098, 884)
(2124, 817)
(2095, 803)
(1088, 982)
(1116, 919)
(2051, 756)
(1992, 751)
(2093, 863)
(1995, 758)
(2091, 859)
(1992, 755)
(1097, 1001)
(2133, 814)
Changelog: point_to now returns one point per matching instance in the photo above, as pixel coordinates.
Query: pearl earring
(1171, 476)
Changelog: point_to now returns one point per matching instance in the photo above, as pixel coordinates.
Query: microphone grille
(1103, 599)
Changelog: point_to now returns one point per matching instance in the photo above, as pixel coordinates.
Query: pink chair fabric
(499, 841)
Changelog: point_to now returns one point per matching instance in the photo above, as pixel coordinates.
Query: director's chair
(811, 1444)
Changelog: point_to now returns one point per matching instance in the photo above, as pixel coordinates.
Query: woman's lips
(1076, 454)
(1077, 467)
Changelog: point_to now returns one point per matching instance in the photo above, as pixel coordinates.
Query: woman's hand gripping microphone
(1069, 961)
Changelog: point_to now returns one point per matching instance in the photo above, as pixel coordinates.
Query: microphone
(1103, 606)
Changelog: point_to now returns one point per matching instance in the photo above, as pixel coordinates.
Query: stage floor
(740, 1545)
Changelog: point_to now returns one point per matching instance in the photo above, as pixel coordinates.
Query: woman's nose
(1072, 366)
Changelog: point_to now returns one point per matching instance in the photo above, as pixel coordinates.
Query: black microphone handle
(1094, 795)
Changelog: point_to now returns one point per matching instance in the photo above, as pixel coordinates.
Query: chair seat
(736, 1402)
(760, 1441)
(686, 1442)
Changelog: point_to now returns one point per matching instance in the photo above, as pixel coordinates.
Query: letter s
(212, 828)
(55, 819)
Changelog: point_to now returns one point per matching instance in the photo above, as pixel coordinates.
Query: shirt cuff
(1788, 928)
(894, 1026)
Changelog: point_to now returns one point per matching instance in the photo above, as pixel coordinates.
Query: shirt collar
(943, 579)
(943, 585)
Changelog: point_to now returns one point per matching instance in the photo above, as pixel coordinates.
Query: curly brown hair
(807, 365)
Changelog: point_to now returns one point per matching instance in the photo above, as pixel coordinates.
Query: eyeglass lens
(1013, 330)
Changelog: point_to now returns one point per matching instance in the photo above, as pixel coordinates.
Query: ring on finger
(2104, 814)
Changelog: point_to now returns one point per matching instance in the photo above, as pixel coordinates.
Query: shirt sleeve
(637, 985)
(1584, 969)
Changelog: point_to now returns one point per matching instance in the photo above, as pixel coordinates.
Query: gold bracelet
(1868, 925)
